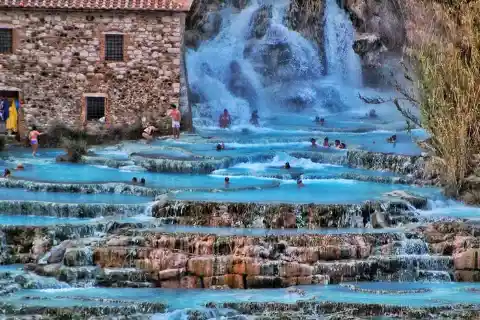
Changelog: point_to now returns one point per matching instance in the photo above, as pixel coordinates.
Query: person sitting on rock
(225, 120)
(148, 132)
(142, 181)
(314, 143)
(392, 139)
(325, 142)
(134, 180)
(254, 118)
(7, 173)
(227, 181)
(287, 165)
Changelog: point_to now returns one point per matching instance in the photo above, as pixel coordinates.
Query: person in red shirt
(224, 121)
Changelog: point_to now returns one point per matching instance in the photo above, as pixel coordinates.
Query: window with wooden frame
(114, 47)
(95, 107)
(6, 40)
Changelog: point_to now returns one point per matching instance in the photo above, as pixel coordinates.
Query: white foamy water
(343, 63)
(280, 160)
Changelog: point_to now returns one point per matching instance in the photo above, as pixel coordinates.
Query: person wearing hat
(176, 117)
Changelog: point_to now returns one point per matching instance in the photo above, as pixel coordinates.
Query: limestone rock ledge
(131, 255)
(248, 215)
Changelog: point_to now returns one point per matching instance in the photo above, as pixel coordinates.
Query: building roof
(140, 5)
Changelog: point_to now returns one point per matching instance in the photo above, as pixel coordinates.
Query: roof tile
(149, 5)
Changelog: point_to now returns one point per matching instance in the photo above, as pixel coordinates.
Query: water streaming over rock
(257, 63)
(343, 64)
(409, 259)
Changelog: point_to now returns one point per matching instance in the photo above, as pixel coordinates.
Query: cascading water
(415, 262)
(256, 63)
(343, 64)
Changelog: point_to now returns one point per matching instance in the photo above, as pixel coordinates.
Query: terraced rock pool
(407, 294)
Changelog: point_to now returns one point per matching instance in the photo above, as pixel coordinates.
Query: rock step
(254, 215)
(414, 262)
(71, 210)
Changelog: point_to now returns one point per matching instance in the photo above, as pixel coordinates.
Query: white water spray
(343, 64)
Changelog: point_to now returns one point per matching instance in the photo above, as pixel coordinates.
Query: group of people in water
(136, 182)
(7, 173)
(326, 143)
(225, 120)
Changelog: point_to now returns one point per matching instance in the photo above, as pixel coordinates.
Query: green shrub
(75, 149)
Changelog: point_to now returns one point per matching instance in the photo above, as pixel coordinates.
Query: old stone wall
(58, 57)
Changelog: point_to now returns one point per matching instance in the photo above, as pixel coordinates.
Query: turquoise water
(305, 168)
(440, 294)
(78, 173)
(337, 191)
(12, 220)
(371, 141)
(64, 197)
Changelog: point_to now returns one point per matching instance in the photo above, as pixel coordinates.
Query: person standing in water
(224, 121)
(176, 117)
(254, 118)
(33, 137)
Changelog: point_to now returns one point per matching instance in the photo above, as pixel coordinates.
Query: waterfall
(410, 259)
(256, 63)
(343, 64)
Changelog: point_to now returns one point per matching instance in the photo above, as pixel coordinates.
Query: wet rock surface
(129, 255)
(247, 215)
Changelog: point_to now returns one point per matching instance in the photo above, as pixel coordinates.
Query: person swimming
(287, 165)
(300, 183)
(372, 114)
(337, 143)
(227, 181)
(142, 181)
(314, 142)
(325, 142)
(320, 121)
(134, 180)
(392, 139)
(20, 167)
(342, 146)
(7, 173)
(220, 146)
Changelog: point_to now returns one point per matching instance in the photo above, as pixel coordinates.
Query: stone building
(89, 63)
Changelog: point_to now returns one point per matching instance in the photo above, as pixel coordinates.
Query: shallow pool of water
(304, 167)
(15, 220)
(64, 197)
(80, 173)
(328, 191)
(437, 294)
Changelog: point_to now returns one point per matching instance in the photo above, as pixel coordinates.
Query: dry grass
(449, 83)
